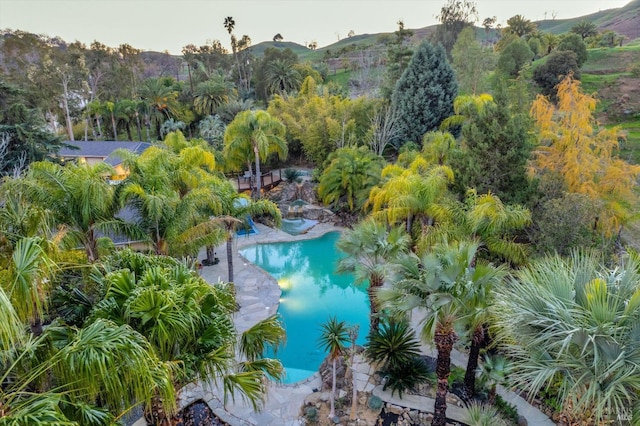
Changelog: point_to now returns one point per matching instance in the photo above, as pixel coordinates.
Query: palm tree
(282, 77)
(110, 109)
(235, 210)
(102, 363)
(94, 109)
(368, 248)
(27, 287)
(254, 132)
(80, 199)
(333, 337)
(126, 110)
(174, 195)
(519, 25)
(211, 94)
(493, 371)
(569, 325)
(351, 174)
(161, 99)
(439, 282)
(188, 322)
(485, 219)
(417, 192)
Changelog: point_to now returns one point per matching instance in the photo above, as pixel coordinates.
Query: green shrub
(635, 70)
(408, 376)
(456, 376)
(507, 410)
(374, 403)
(292, 175)
(483, 415)
(311, 414)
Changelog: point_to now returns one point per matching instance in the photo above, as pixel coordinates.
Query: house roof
(101, 149)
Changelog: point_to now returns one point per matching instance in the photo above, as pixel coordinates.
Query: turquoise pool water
(311, 293)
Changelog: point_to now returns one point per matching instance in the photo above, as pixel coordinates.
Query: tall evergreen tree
(424, 94)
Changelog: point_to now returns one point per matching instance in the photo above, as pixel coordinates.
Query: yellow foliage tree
(573, 146)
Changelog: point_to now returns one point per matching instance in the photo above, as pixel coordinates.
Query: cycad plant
(574, 324)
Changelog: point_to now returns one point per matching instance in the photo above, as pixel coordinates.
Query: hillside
(624, 20)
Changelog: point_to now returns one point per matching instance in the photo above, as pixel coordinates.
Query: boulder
(395, 409)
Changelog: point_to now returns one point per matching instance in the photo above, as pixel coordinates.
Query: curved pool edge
(270, 235)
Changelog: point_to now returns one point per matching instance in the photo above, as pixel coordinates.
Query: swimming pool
(311, 293)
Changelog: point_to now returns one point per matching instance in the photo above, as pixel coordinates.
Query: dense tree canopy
(495, 147)
(584, 155)
(424, 95)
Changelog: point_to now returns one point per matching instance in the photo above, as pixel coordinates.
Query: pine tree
(424, 94)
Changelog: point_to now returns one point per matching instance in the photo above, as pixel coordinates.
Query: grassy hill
(624, 20)
(298, 49)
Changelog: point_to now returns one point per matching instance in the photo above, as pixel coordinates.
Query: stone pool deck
(258, 295)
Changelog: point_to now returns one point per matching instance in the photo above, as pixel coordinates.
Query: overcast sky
(171, 24)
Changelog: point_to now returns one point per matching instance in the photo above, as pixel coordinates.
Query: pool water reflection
(311, 293)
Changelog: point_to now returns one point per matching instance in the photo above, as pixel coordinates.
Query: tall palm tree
(234, 212)
(571, 325)
(369, 246)
(440, 283)
(110, 109)
(126, 110)
(94, 109)
(256, 132)
(334, 336)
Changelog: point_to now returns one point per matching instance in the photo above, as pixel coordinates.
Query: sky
(169, 25)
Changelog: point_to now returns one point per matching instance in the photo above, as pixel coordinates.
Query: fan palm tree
(494, 372)
(369, 246)
(439, 282)
(351, 174)
(571, 325)
(334, 336)
(254, 133)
